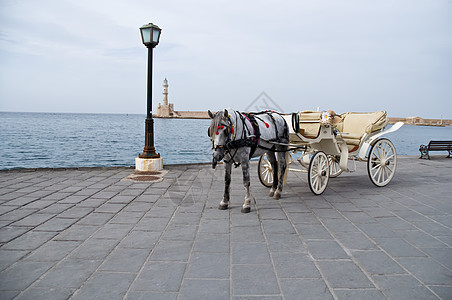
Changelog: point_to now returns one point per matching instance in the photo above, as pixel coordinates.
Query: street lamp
(149, 160)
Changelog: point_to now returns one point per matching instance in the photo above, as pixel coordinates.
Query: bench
(435, 146)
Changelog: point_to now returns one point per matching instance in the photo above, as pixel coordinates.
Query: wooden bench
(435, 146)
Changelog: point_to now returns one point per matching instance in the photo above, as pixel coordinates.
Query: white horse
(237, 137)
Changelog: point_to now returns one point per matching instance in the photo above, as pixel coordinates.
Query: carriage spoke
(385, 173)
(318, 182)
(380, 173)
(266, 174)
(378, 154)
(388, 171)
(315, 181)
(376, 165)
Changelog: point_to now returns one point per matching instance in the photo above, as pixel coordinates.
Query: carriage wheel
(335, 169)
(382, 162)
(265, 171)
(318, 173)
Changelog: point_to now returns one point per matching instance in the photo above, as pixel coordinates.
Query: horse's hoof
(246, 210)
(277, 196)
(272, 193)
(223, 207)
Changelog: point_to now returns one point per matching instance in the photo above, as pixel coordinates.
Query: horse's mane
(214, 125)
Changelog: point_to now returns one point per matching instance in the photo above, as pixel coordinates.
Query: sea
(66, 140)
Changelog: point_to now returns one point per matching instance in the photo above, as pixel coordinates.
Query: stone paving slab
(90, 233)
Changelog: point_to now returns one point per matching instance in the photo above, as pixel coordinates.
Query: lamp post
(149, 160)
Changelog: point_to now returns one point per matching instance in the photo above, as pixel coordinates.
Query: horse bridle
(227, 129)
(227, 132)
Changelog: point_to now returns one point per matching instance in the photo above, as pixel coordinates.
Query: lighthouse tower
(165, 92)
(165, 110)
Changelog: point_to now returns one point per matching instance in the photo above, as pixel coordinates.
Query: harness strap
(255, 141)
(274, 123)
(245, 141)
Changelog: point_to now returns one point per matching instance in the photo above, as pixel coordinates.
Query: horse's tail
(286, 171)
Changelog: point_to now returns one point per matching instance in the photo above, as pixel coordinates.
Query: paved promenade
(90, 233)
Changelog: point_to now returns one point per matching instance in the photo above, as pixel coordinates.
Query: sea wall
(421, 122)
(187, 115)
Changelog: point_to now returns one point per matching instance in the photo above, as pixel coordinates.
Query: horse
(237, 137)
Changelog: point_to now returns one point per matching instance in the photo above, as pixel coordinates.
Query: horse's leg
(282, 164)
(246, 208)
(227, 186)
(274, 164)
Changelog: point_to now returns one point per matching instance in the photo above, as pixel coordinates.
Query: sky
(86, 56)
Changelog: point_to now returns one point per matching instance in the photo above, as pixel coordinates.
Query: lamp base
(148, 164)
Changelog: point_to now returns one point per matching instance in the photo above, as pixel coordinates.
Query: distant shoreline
(392, 120)
(421, 122)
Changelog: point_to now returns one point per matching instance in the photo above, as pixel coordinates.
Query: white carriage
(323, 144)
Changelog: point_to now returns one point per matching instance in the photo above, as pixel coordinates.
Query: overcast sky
(345, 55)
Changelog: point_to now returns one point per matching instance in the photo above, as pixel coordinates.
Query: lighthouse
(165, 110)
(165, 92)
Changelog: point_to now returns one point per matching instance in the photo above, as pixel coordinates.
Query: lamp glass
(146, 35)
(155, 35)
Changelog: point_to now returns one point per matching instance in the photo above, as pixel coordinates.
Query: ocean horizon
(70, 140)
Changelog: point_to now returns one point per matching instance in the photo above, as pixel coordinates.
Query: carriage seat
(309, 126)
(355, 125)
(310, 123)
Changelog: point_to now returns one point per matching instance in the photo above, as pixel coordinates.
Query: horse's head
(219, 133)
